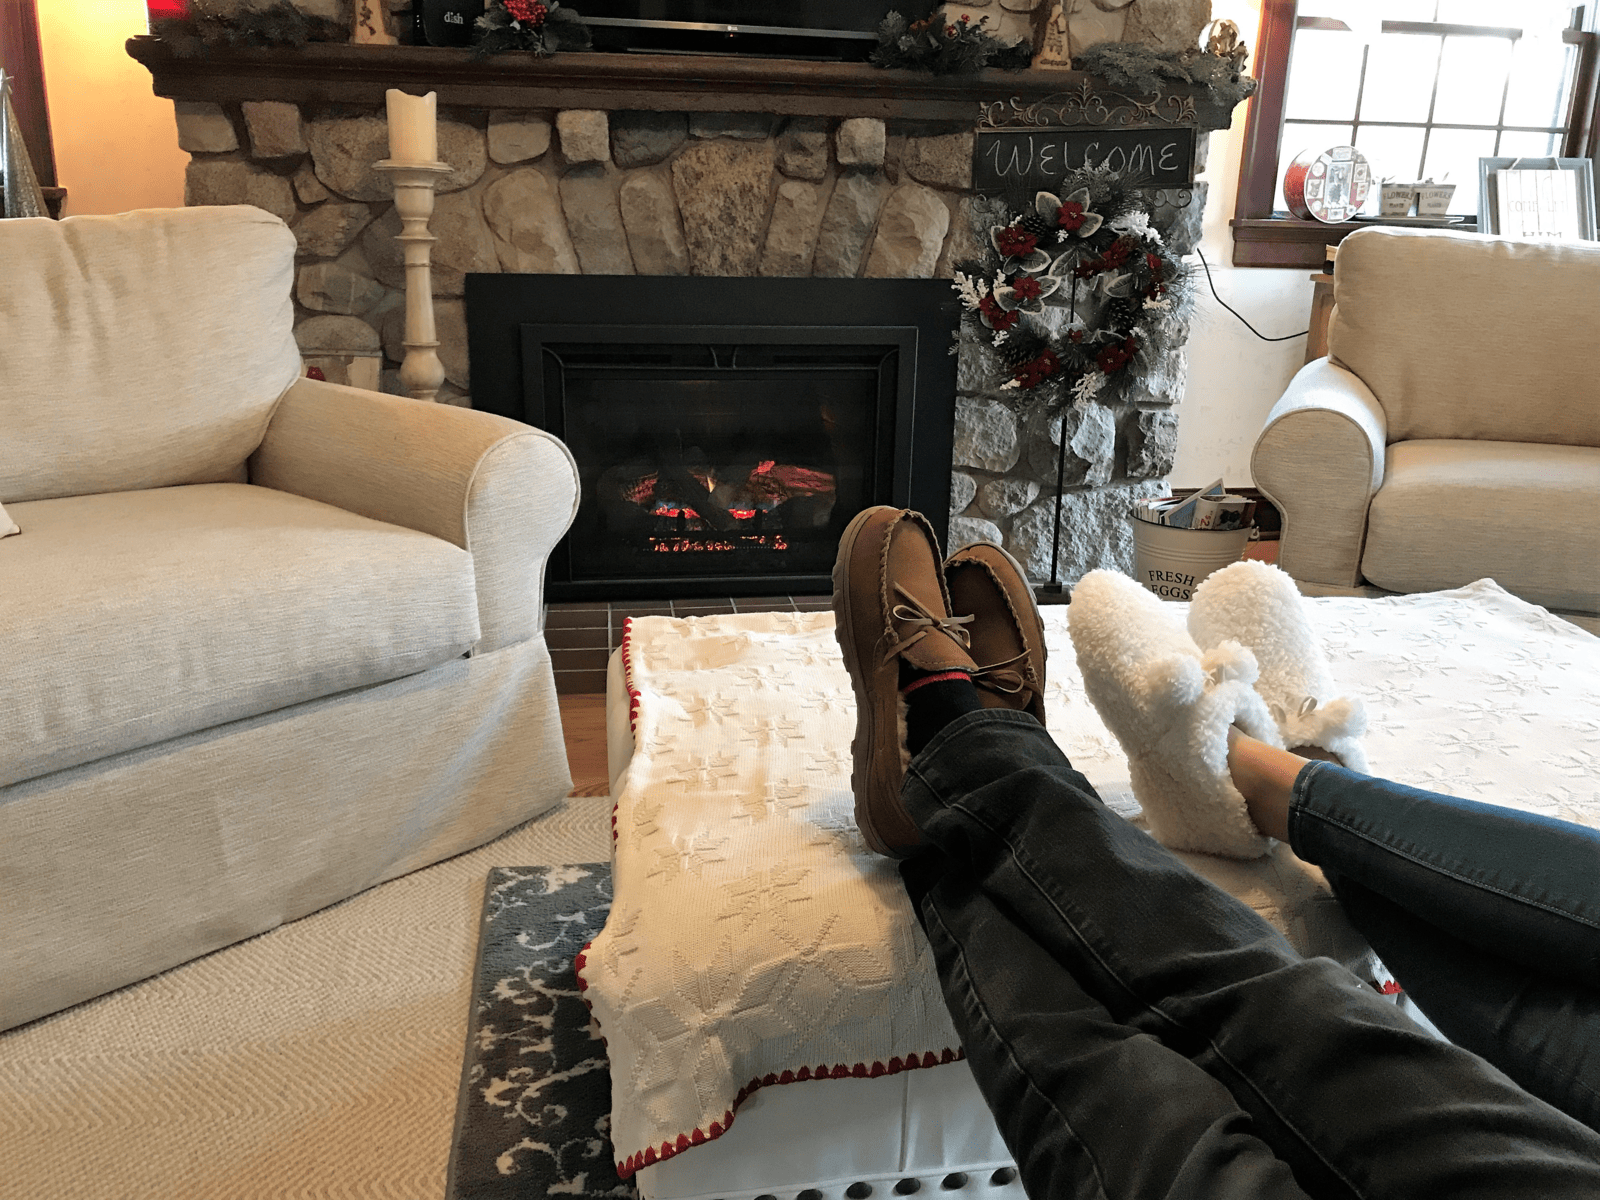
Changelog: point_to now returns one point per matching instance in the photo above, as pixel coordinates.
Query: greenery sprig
(1139, 69)
(961, 47)
(278, 24)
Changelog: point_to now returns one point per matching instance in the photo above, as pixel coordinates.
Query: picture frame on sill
(1547, 198)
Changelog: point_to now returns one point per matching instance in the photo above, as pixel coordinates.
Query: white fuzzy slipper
(1170, 707)
(1259, 606)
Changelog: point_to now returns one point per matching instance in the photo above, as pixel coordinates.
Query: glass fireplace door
(710, 454)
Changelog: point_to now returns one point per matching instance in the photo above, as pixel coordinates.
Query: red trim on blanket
(627, 675)
(684, 1141)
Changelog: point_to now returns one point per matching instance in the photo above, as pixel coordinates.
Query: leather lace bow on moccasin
(1007, 632)
(890, 603)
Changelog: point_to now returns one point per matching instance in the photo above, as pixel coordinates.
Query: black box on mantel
(447, 22)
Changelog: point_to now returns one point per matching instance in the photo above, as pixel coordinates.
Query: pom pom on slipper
(1258, 606)
(1170, 708)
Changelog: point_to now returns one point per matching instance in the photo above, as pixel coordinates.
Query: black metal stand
(1055, 591)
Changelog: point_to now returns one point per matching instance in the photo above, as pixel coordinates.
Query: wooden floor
(583, 720)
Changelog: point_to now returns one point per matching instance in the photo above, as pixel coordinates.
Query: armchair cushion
(141, 350)
(1462, 336)
(1453, 511)
(493, 486)
(155, 613)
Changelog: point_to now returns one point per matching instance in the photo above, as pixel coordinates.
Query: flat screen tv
(823, 29)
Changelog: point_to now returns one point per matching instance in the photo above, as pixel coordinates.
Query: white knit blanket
(755, 940)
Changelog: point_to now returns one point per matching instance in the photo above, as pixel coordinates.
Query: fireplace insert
(725, 430)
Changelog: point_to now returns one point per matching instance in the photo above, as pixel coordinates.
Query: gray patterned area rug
(534, 1115)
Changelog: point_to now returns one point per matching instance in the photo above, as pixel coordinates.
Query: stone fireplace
(620, 165)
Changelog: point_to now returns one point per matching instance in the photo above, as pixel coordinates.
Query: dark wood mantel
(326, 73)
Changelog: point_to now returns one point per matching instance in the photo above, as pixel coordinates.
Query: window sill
(1291, 242)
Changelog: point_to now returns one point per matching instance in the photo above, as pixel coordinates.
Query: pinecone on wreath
(1033, 223)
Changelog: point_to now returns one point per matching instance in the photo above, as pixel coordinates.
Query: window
(1423, 88)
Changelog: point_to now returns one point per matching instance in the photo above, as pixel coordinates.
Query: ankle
(1265, 778)
(932, 700)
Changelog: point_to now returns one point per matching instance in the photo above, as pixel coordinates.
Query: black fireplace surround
(725, 429)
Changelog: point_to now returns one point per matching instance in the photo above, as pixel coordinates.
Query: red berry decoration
(528, 12)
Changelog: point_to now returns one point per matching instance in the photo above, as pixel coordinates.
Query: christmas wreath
(541, 26)
(193, 29)
(1076, 294)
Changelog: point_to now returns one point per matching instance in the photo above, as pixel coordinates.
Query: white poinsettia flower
(1070, 215)
(1067, 261)
(1117, 284)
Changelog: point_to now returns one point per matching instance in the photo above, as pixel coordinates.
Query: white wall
(1234, 377)
(116, 141)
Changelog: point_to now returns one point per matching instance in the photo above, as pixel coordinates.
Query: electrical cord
(1286, 338)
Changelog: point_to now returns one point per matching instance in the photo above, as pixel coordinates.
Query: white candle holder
(422, 373)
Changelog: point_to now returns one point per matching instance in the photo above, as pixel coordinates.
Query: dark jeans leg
(1488, 917)
(1088, 1106)
(1344, 1088)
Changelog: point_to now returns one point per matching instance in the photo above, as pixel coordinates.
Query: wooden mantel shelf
(327, 73)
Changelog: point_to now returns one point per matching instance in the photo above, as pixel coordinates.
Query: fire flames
(762, 490)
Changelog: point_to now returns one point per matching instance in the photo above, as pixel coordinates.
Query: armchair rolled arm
(1319, 459)
(501, 490)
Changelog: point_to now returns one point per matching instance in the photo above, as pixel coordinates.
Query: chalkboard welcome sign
(1028, 160)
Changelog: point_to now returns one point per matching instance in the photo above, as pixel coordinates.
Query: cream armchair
(269, 641)
(1453, 431)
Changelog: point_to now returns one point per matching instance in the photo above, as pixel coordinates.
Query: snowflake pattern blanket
(754, 940)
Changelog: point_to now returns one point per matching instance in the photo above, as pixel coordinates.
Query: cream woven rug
(320, 1059)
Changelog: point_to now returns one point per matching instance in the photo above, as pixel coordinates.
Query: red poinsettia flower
(1014, 242)
(995, 317)
(1114, 357)
(1035, 371)
(1114, 256)
(1072, 216)
(528, 12)
(1027, 287)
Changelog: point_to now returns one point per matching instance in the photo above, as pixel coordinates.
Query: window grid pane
(1428, 103)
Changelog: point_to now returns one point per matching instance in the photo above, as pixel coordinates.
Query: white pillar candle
(413, 127)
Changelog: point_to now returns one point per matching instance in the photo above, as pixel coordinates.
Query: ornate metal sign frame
(1086, 106)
